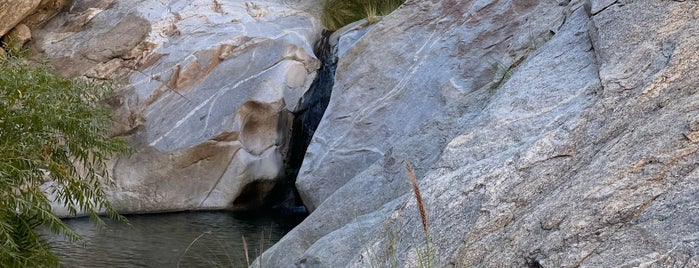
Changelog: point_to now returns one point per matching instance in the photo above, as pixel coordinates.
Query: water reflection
(188, 239)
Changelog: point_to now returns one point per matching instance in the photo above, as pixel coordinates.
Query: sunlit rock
(205, 92)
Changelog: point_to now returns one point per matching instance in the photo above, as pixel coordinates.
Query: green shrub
(53, 130)
(338, 13)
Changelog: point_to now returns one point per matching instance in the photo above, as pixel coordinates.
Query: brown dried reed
(418, 196)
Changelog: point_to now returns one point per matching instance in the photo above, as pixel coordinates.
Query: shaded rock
(117, 37)
(157, 189)
(13, 12)
(44, 12)
(543, 135)
(17, 37)
(259, 126)
(21, 17)
(206, 92)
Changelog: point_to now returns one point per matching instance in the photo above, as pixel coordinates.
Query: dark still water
(187, 239)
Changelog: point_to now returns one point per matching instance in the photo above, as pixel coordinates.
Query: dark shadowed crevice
(284, 198)
(311, 106)
(533, 263)
(253, 194)
(309, 113)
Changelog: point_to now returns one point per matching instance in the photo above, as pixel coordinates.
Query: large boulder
(205, 91)
(13, 12)
(543, 134)
(371, 110)
(20, 17)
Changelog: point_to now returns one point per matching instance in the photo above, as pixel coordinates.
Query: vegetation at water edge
(53, 146)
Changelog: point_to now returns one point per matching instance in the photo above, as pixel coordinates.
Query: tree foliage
(53, 147)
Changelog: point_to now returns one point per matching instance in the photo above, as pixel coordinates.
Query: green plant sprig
(53, 142)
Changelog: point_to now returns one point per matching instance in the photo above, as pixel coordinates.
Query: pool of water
(187, 239)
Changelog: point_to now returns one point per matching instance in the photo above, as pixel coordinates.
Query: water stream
(185, 239)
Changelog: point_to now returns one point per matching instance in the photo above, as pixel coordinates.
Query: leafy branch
(53, 143)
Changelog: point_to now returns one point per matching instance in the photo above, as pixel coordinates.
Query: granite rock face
(369, 114)
(205, 92)
(46, 10)
(543, 134)
(19, 18)
(13, 12)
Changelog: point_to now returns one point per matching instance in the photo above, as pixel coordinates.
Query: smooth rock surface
(205, 92)
(373, 109)
(346, 37)
(543, 134)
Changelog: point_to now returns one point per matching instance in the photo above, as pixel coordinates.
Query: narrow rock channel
(284, 197)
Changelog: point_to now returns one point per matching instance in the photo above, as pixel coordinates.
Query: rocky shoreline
(542, 133)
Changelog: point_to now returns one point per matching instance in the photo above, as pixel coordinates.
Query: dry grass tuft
(247, 253)
(338, 13)
(262, 242)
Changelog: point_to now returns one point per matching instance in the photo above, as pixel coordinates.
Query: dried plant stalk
(245, 249)
(262, 242)
(418, 196)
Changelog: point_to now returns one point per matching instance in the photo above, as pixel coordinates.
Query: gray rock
(416, 89)
(205, 92)
(577, 148)
(346, 37)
